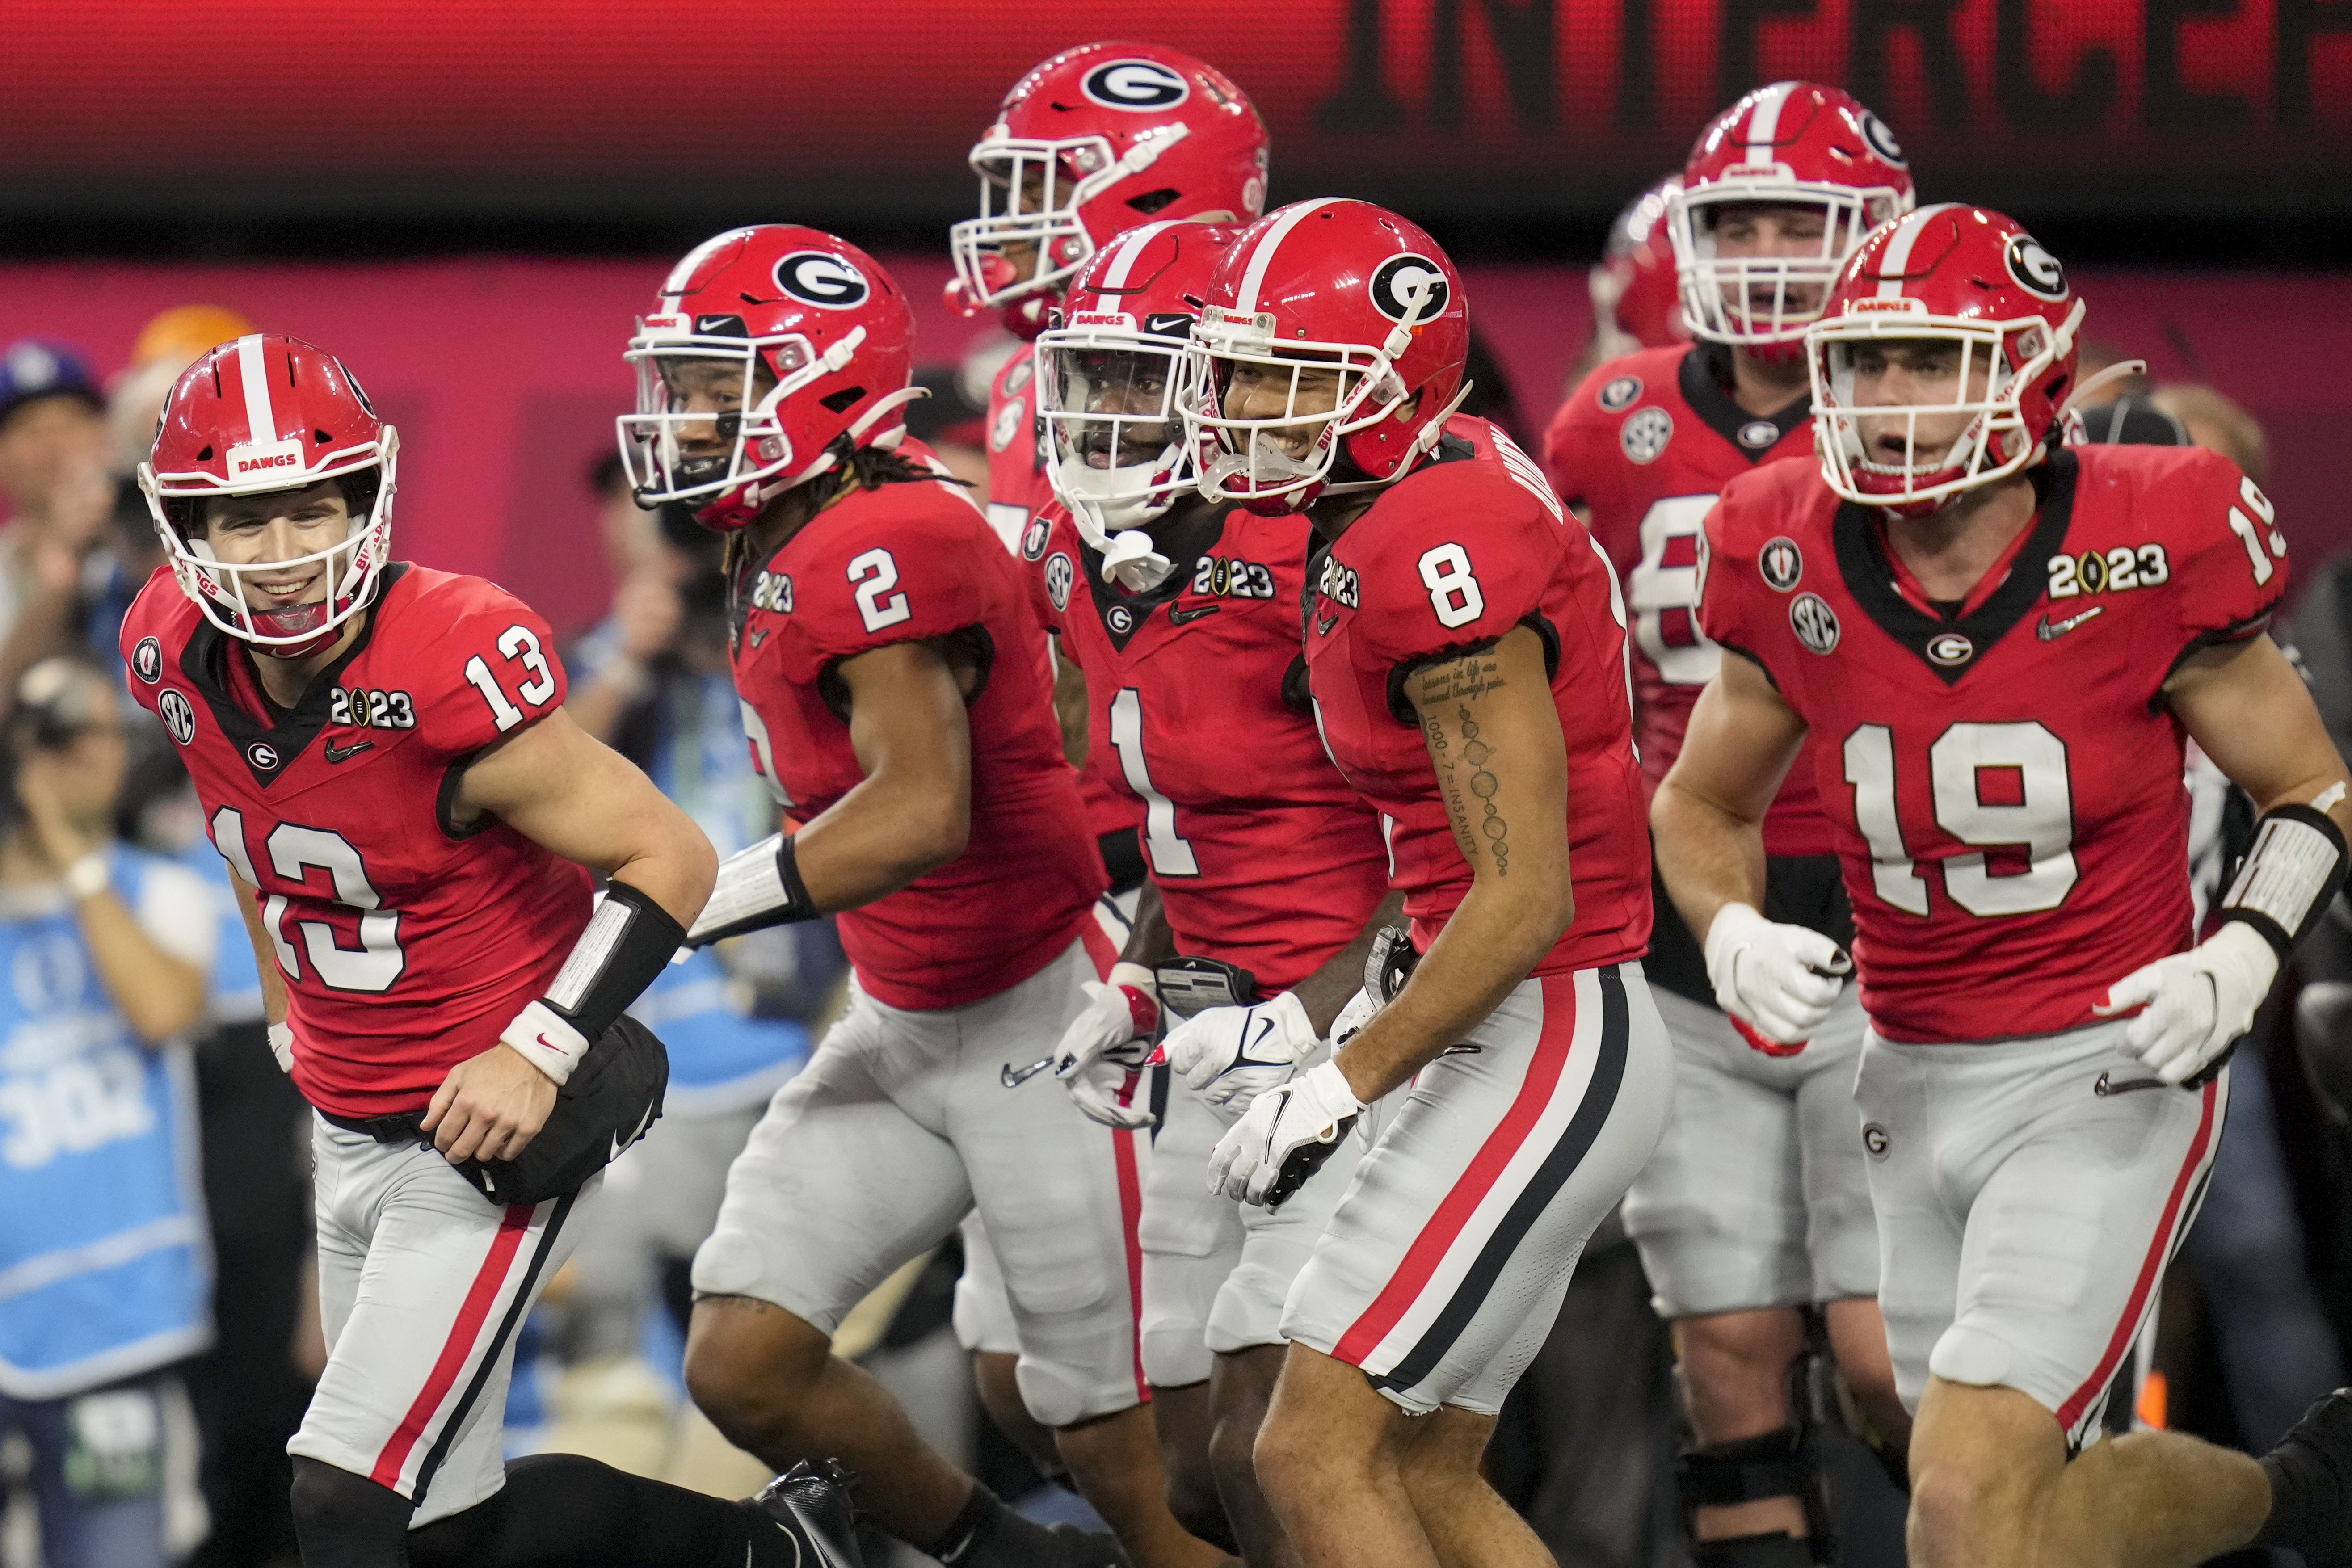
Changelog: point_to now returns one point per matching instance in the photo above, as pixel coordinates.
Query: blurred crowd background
(470, 205)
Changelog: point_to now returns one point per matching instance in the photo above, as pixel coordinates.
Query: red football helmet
(1794, 144)
(1961, 275)
(1636, 303)
(788, 347)
(265, 412)
(1313, 289)
(1093, 141)
(1116, 449)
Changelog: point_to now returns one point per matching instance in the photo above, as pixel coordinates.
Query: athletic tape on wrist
(2289, 878)
(89, 876)
(756, 888)
(628, 942)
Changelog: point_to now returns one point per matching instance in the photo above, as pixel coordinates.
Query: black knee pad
(1779, 1464)
(346, 1520)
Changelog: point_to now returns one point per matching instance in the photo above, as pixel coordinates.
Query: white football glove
(1099, 1053)
(1775, 982)
(281, 1046)
(2194, 1004)
(1284, 1137)
(1230, 1056)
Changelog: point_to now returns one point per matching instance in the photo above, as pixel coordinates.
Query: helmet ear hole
(843, 401)
(1150, 202)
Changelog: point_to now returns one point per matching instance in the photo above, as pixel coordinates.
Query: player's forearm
(676, 868)
(1499, 933)
(1150, 939)
(161, 995)
(877, 838)
(1708, 856)
(1326, 992)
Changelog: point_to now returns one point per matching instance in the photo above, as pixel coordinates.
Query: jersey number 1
(1170, 856)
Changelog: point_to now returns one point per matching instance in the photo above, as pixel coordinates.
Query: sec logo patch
(1645, 435)
(178, 714)
(1815, 623)
(1618, 395)
(1009, 420)
(1059, 575)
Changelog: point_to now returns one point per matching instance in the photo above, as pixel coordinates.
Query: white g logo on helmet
(1881, 140)
(821, 278)
(1141, 86)
(2035, 269)
(1412, 286)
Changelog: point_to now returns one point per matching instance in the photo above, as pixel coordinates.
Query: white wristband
(546, 1041)
(89, 876)
(281, 1046)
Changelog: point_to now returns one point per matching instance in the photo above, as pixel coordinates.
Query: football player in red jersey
(2000, 646)
(387, 767)
(897, 693)
(1269, 877)
(1465, 655)
(1756, 1204)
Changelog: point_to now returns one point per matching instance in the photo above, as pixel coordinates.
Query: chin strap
(1130, 560)
(1424, 441)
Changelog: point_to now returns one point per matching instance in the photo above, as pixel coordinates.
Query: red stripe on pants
(456, 1348)
(2151, 1267)
(1548, 1060)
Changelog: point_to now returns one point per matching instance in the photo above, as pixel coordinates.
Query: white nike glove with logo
(2194, 1005)
(1776, 982)
(1230, 1056)
(1284, 1137)
(1102, 1053)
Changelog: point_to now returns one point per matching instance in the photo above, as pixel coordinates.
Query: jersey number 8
(1453, 593)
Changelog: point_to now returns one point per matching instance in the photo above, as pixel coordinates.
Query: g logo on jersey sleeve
(178, 714)
(1410, 286)
(1137, 86)
(821, 278)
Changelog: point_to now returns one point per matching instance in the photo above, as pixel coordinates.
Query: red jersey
(2005, 781)
(1019, 491)
(406, 945)
(1196, 695)
(1457, 553)
(1644, 446)
(904, 562)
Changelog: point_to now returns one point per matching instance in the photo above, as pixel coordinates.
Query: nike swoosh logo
(1181, 617)
(620, 1142)
(2051, 631)
(1465, 1049)
(345, 753)
(1323, 625)
(551, 1045)
(759, 637)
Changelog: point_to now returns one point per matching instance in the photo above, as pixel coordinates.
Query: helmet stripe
(1896, 256)
(1245, 301)
(1129, 249)
(261, 420)
(1764, 124)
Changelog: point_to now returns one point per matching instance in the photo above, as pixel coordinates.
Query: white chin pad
(201, 547)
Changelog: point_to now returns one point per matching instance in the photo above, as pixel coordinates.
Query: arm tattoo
(1465, 774)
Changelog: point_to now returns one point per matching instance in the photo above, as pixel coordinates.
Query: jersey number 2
(377, 961)
(2022, 765)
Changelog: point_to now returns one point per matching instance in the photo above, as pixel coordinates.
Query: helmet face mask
(1115, 450)
(706, 423)
(224, 473)
(1277, 410)
(1029, 239)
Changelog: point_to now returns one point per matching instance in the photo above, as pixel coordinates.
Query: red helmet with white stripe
(259, 413)
(1792, 144)
(1975, 286)
(772, 354)
(1636, 302)
(1088, 145)
(1329, 355)
(1116, 449)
